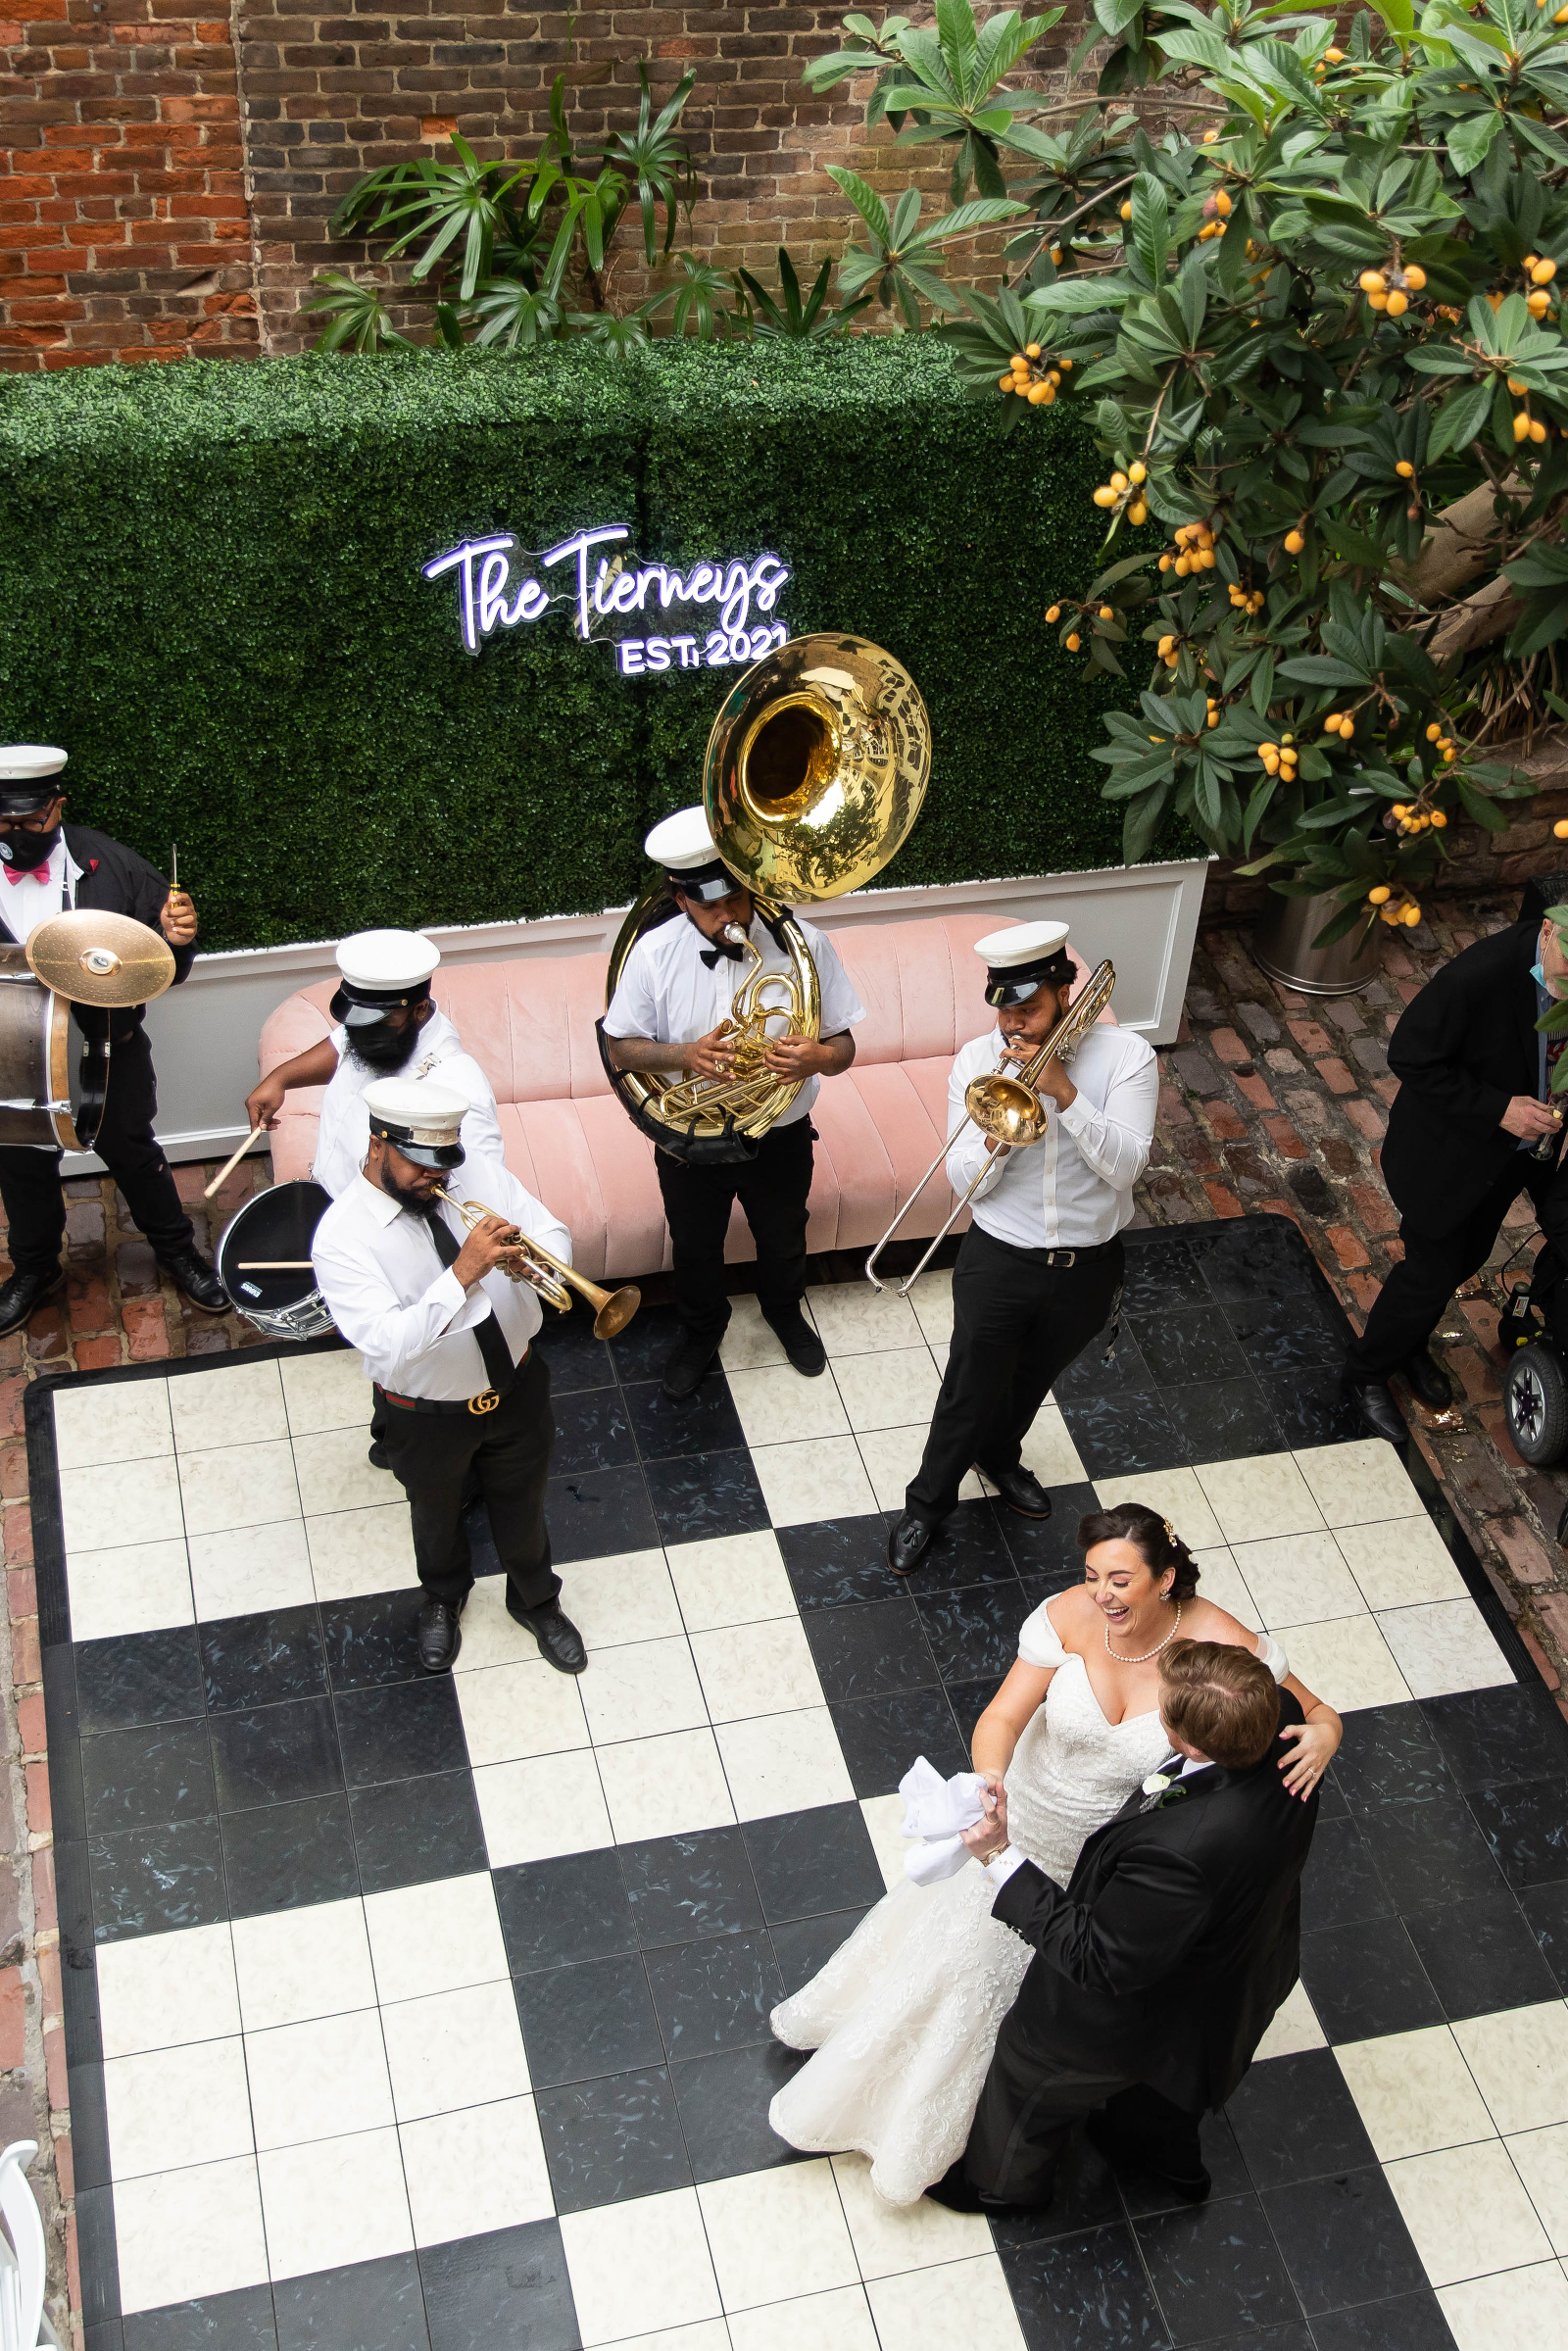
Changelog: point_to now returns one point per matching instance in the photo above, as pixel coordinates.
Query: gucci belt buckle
(485, 1401)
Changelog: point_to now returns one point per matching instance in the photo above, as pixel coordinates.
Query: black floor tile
(275, 1755)
(284, 1856)
(717, 1994)
(871, 1650)
(1525, 1824)
(63, 1729)
(803, 1947)
(970, 1546)
(139, 1778)
(369, 2306)
(79, 1982)
(416, 1831)
(1088, 1374)
(697, 1496)
(400, 1733)
(599, 1512)
(704, 1423)
(555, 1912)
(1390, 1751)
(1117, 1434)
(1344, 2239)
(592, 1431)
(1048, 1550)
(1225, 1420)
(1480, 1955)
(1162, 1278)
(259, 1660)
(1084, 2195)
(809, 1862)
(1295, 2119)
(882, 1736)
(110, 2336)
(723, 2109)
(1262, 1255)
(1341, 1882)
(1216, 2269)
(485, 2293)
(682, 1886)
(372, 1643)
(237, 2321)
(582, 2022)
(1366, 1980)
(1428, 1852)
(1310, 1406)
(968, 1701)
(835, 1561)
(1187, 1344)
(98, 2255)
(1406, 2323)
(1546, 1909)
(609, 2140)
(1492, 1737)
(149, 1880)
(89, 2124)
(138, 1678)
(974, 1633)
(1286, 1335)
(1085, 2293)
(640, 1349)
(577, 1359)
(1294, 2335)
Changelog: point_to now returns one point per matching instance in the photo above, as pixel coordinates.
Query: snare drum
(279, 1223)
(41, 1095)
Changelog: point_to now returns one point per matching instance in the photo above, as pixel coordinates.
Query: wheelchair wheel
(1534, 1402)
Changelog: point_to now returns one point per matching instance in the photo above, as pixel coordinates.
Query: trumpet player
(1039, 1269)
(446, 1338)
(668, 1014)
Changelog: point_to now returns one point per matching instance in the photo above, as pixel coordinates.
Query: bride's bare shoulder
(1073, 1613)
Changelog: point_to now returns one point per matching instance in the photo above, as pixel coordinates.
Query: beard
(419, 1202)
(384, 1048)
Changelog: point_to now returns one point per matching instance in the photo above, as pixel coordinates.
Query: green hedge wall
(211, 594)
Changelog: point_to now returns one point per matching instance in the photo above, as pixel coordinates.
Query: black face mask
(382, 1047)
(27, 851)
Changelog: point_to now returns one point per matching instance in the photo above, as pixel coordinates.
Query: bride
(904, 2017)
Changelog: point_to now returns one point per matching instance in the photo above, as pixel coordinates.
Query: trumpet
(545, 1272)
(1009, 1108)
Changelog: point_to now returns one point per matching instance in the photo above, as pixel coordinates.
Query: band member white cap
(419, 1118)
(683, 845)
(1026, 956)
(383, 969)
(22, 761)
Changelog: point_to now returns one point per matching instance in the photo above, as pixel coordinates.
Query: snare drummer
(50, 868)
(446, 1338)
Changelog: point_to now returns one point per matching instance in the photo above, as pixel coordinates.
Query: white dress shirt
(344, 1136)
(409, 1315)
(48, 889)
(667, 993)
(1073, 1189)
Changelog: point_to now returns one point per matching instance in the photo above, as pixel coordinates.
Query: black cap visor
(707, 884)
(439, 1155)
(1015, 983)
(360, 1008)
(26, 796)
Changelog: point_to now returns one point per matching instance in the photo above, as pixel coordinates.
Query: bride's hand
(989, 1833)
(1315, 1745)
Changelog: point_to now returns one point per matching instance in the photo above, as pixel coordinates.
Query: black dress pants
(772, 1190)
(1411, 1302)
(1029, 2102)
(1017, 1323)
(508, 1450)
(29, 1179)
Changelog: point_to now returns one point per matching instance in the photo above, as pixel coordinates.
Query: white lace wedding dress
(905, 2016)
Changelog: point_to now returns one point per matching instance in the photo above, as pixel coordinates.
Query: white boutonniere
(1156, 1785)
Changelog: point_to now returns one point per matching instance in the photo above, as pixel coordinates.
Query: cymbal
(106, 959)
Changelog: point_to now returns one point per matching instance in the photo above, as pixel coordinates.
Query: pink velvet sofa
(529, 1024)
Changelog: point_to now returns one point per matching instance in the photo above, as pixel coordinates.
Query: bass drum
(43, 1098)
(276, 1224)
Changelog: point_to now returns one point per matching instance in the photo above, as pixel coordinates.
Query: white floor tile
(124, 1422)
(756, 1669)
(628, 1598)
(784, 1762)
(190, 2105)
(892, 1455)
(1443, 1646)
(962, 2305)
(156, 1991)
(732, 1580)
(1297, 1580)
(889, 1391)
(327, 1391)
(490, 1636)
(668, 1787)
(513, 1710)
(708, 2335)
(293, 1965)
(1400, 1562)
(639, 2267)
(932, 1300)
(642, 1691)
(776, 1406)
(1520, 2061)
(1175, 1494)
(238, 1485)
(892, 2240)
(1347, 1662)
(139, 1588)
(1358, 1482)
(454, 2049)
(778, 2233)
(334, 1473)
(318, 2081)
(439, 1938)
(750, 1343)
(1467, 2211)
(1525, 2309)
(251, 1567)
(479, 2170)
(541, 1806)
(1540, 2159)
(127, 1502)
(235, 1404)
(840, 2320)
(358, 1552)
(1294, 2026)
(334, 2201)
(884, 1825)
(1414, 2092)
(823, 1478)
(1221, 1581)
(185, 2235)
(1258, 1500)
(857, 1320)
(1048, 1451)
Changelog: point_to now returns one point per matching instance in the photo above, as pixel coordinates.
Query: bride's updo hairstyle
(1153, 1537)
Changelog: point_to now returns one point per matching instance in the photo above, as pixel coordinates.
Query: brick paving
(1270, 1101)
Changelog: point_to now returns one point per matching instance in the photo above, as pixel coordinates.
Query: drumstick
(229, 1165)
(274, 1265)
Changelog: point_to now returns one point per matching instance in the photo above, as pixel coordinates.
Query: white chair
(23, 2266)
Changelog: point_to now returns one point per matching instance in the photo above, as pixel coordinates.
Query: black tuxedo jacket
(1466, 1043)
(1177, 1936)
(115, 880)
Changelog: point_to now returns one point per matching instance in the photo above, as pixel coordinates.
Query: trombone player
(446, 1338)
(1039, 1269)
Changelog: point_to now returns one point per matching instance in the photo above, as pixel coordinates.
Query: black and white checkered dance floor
(412, 2015)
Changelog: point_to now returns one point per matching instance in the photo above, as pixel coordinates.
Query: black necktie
(498, 1368)
(727, 947)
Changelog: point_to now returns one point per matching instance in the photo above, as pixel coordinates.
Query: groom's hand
(989, 1833)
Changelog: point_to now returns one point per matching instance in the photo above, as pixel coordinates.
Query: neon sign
(490, 597)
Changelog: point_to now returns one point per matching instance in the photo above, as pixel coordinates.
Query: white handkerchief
(935, 1810)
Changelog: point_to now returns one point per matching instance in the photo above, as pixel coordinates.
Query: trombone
(543, 1272)
(1009, 1108)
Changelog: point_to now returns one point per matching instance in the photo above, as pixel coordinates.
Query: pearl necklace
(1147, 1653)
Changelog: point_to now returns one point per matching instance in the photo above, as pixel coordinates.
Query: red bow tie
(24, 873)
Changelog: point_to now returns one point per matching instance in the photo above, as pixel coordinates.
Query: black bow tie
(726, 947)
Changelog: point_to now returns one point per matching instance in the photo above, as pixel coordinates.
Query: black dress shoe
(907, 1545)
(23, 1296)
(559, 1642)
(1020, 1490)
(956, 2194)
(1193, 2187)
(1429, 1382)
(440, 1636)
(378, 1457)
(193, 1275)
(685, 1369)
(799, 1341)
(1378, 1409)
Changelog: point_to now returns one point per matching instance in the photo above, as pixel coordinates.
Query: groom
(1156, 1972)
